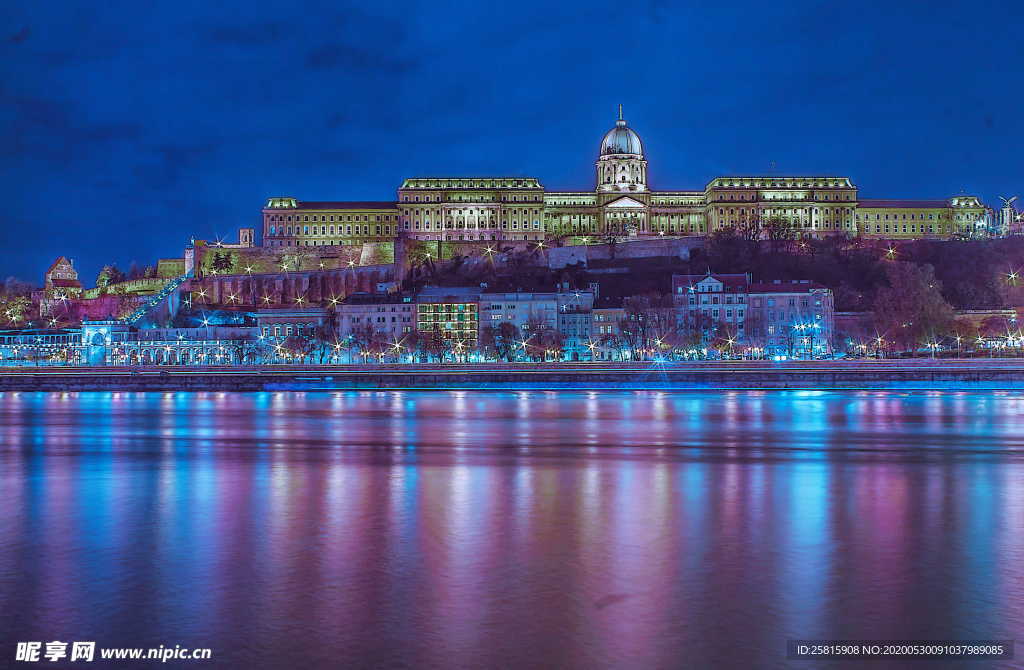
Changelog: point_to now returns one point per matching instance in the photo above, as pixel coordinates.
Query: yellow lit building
(621, 205)
(451, 313)
(452, 321)
(465, 209)
(288, 222)
(912, 219)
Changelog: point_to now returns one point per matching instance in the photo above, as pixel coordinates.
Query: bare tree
(911, 309)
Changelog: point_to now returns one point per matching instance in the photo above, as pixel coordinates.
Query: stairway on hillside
(155, 300)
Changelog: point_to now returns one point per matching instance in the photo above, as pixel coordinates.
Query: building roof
(910, 204)
(731, 281)
(376, 299)
(621, 139)
(609, 302)
(741, 283)
(779, 182)
(57, 262)
(471, 182)
(784, 286)
(66, 283)
(348, 204)
(308, 311)
(444, 293)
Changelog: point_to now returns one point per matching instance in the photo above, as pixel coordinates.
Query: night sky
(128, 127)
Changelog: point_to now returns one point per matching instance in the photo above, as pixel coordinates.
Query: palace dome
(621, 140)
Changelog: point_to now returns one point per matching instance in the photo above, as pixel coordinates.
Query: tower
(621, 167)
(1008, 215)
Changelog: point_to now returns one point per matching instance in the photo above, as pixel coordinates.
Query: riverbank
(992, 374)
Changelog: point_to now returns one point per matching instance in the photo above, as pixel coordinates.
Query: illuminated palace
(621, 205)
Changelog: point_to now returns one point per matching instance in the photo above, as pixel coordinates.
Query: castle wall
(213, 260)
(288, 289)
(559, 257)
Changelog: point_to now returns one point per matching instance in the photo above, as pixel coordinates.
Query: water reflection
(479, 529)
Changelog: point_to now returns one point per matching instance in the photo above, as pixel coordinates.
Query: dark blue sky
(129, 126)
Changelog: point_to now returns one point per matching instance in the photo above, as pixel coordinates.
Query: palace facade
(621, 205)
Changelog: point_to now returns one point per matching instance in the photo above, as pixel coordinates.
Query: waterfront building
(38, 346)
(390, 316)
(622, 204)
(450, 314)
(712, 306)
(575, 321)
(607, 316)
(212, 345)
(524, 310)
(112, 342)
(278, 324)
(777, 318)
(567, 312)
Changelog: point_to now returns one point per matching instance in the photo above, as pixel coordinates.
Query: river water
(468, 529)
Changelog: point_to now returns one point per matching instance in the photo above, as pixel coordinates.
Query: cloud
(20, 36)
(163, 166)
(47, 128)
(330, 56)
(251, 35)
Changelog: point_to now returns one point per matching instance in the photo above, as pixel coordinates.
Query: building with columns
(621, 205)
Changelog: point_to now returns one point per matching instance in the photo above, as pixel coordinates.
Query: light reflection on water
(482, 529)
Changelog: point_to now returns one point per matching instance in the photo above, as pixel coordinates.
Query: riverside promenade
(946, 374)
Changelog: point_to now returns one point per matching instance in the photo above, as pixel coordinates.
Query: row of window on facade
(896, 229)
(287, 329)
(451, 226)
(896, 217)
(327, 230)
(378, 319)
(330, 217)
(472, 212)
(754, 302)
(752, 197)
(504, 198)
(39, 339)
